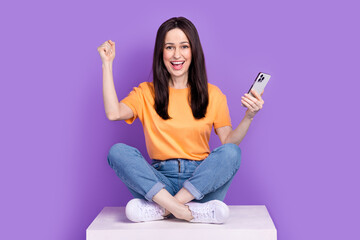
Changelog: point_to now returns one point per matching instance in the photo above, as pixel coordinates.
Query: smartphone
(260, 82)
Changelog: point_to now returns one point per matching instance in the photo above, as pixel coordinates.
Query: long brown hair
(197, 77)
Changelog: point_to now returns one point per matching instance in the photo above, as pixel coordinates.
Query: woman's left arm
(253, 104)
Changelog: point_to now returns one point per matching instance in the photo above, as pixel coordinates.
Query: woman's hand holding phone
(252, 100)
(253, 104)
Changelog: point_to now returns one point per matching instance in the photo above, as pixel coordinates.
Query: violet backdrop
(299, 156)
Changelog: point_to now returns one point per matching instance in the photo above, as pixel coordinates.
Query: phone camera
(261, 78)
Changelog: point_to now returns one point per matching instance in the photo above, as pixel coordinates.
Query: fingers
(111, 43)
(107, 47)
(256, 94)
(252, 103)
(247, 105)
(104, 48)
(112, 46)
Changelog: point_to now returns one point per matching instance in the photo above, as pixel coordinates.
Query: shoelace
(204, 213)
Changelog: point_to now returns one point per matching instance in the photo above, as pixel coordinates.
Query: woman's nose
(177, 53)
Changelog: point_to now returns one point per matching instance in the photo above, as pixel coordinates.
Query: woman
(177, 110)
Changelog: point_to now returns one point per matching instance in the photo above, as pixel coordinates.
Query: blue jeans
(206, 179)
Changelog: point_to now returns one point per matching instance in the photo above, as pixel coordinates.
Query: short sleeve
(134, 100)
(222, 116)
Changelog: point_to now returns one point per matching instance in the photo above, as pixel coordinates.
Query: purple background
(299, 157)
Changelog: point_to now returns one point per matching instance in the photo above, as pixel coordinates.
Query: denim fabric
(206, 180)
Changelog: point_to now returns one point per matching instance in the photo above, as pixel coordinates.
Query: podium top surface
(252, 217)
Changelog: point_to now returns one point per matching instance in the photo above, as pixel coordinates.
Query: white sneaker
(140, 210)
(214, 211)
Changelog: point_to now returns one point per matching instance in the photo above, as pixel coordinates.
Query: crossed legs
(207, 181)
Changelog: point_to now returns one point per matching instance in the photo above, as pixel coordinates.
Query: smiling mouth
(178, 63)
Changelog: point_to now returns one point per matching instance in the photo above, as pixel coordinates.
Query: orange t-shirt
(183, 136)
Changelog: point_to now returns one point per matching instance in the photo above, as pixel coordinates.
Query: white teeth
(177, 62)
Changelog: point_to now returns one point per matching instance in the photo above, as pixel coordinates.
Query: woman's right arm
(114, 110)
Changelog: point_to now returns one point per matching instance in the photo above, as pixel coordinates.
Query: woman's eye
(171, 47)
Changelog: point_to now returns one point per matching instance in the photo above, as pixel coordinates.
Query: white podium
(244, 223)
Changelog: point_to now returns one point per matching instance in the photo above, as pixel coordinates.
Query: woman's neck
(179, 83)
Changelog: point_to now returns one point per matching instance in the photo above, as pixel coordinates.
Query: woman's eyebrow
(174, 43)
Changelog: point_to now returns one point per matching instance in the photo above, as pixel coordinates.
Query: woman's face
(177, 53)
